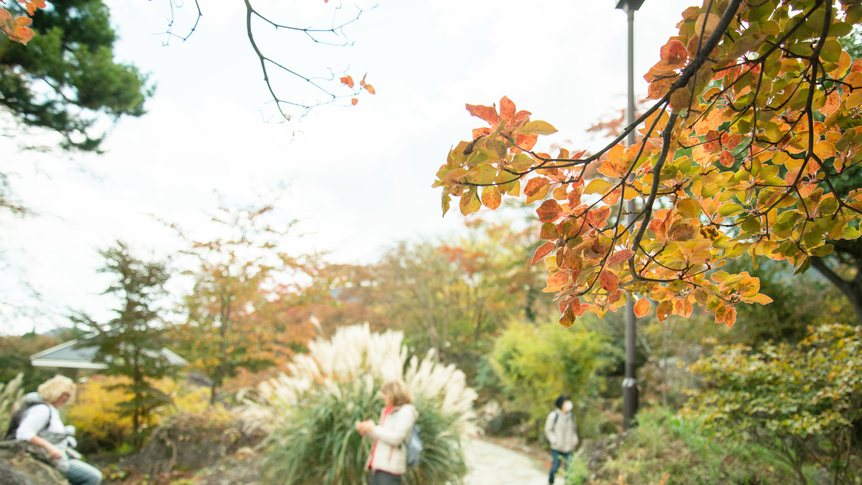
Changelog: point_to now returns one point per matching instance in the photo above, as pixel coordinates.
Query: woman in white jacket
(388, 460)
(42, 426)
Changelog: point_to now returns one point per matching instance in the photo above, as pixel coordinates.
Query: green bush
(537, 363)
(668, 449)
(320, 444)
(803, 401)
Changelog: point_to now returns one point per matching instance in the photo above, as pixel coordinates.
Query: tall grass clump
(310, 413)
(11, 398)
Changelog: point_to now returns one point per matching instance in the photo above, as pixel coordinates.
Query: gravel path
(490, 464)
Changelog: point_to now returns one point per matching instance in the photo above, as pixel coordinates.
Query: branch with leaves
(756, 121)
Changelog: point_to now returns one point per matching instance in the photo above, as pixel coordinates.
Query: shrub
(537, 363)
(335, 385)
(98, 416)
(668, 449)
(802, 401)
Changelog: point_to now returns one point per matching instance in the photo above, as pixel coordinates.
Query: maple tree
(754, 129)
(242, 311)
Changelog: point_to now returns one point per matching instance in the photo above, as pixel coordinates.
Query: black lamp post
(630, 385)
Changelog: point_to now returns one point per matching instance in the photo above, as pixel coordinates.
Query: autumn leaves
(17, 27)
(754, 128)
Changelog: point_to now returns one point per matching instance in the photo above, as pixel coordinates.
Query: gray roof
(71, 356)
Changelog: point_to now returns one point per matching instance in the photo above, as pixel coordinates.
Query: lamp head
(629, 5)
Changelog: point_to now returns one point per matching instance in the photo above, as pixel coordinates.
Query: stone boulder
(23, 463)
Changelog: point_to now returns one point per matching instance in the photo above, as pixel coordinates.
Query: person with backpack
(392, 437)
(562, 433)
(38, 422)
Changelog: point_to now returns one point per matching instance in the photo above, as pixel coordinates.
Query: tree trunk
(224, 332)
(851, 289)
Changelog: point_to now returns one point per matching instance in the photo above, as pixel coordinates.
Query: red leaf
(609, 281)
(620, 256)
(354, 101)
(542, 251)
(487, 113)
(347, 80)
(549, 211)
(521, 116)
(673, 55)
(642, 307)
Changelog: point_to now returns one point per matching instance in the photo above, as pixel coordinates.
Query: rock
(23, 463)
(503, 424)
(187, 443)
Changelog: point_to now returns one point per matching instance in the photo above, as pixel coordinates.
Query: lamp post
(630, 387)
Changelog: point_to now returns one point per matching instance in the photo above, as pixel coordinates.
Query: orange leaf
(621, 256)
(487, 113)
(664, 310)
(730, 318)
(507, 109)
(642, 307)
(347, 80)
(726, 158)
(542, 251)
(660, 86)
(369, 88)
(354, 101)
(549, 211)
(609, 281)
(527, 142)
(557, 279)
(534, 185)
(568, 318)
(491, 197)
(4, 14)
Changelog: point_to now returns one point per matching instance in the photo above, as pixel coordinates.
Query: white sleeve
(399, 433)
(35, 420)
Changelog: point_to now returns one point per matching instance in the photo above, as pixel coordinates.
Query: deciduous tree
(247, 289)
(755, 128)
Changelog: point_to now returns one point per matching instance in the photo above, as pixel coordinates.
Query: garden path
(490, 464)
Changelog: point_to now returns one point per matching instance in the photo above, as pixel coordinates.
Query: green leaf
(728, 210)
(831, 51)
(538, 127)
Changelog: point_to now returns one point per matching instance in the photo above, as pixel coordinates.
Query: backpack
(414, 447)
(18, 416)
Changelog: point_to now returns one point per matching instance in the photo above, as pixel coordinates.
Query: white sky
(359, 179)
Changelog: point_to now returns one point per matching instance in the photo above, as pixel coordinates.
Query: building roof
(68, 355)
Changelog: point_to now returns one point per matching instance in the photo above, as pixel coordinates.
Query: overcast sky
(358, 178)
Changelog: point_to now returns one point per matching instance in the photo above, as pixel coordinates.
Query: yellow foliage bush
(97, 415)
